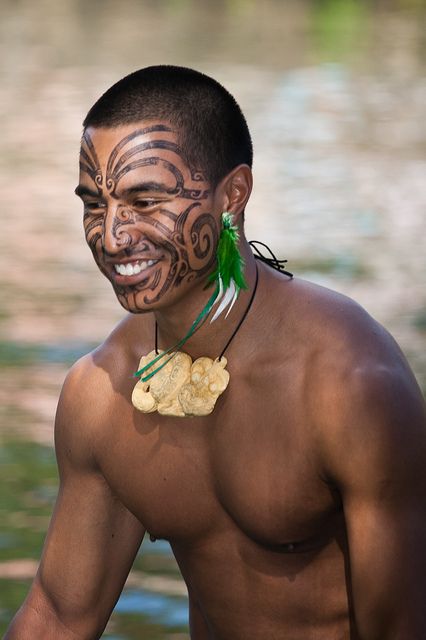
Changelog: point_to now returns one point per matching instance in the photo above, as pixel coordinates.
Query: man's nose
(116, 231)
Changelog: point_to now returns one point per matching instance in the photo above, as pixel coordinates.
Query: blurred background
(334, 92)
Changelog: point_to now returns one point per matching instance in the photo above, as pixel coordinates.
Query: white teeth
(133, 268)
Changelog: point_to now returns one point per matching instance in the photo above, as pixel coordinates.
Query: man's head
(164, 152)
(212, 132)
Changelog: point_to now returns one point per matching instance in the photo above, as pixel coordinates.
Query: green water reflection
(339, 27)
(28, 478)
(12, 594)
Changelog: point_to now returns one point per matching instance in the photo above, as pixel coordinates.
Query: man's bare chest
(246, 466)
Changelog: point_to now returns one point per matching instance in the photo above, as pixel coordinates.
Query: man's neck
(175, 321)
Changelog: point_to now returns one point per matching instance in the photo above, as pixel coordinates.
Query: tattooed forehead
(150, 150)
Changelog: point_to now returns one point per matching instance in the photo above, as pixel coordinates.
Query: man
(296, 508)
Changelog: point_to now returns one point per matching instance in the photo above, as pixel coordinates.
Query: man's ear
(235, 190)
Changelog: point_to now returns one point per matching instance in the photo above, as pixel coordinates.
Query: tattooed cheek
(93, 232)
(92, 225)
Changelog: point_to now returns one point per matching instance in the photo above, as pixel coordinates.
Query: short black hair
(212, 131)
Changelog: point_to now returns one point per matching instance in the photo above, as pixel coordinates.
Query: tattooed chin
(141, 292)
(131, 300)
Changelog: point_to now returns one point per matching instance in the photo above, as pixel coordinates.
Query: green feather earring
(228, 275)
(229, 261)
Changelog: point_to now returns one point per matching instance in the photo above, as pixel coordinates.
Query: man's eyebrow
(140, 187)
(81, 190)
(158, 187)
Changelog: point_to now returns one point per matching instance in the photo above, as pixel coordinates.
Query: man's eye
(94, 206)
(146, 202)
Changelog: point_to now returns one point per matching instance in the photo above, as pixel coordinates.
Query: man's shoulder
(84, 402)
(318, 302)
(323, 334)
(330, 324)
(359, 388)
(347, 353)
(114, 358)
(87, 378)
(93, 386)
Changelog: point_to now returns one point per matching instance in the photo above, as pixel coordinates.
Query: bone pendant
(182, 387)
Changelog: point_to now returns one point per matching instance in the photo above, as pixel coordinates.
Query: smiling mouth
(133, 268)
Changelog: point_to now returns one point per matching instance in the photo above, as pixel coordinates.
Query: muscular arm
(375, 453)
(92, 538)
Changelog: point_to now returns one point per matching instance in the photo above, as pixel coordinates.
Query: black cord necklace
(271, 260)
(234, 333)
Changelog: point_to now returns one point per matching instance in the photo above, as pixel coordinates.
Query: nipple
(152, 538)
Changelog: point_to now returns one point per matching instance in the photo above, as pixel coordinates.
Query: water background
(334, 92)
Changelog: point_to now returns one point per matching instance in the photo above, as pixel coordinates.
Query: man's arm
(375, 453)
(92, 538)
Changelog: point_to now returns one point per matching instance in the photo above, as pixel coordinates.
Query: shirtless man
(297, 509)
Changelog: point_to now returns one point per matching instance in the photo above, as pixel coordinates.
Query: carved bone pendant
(182, 387)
